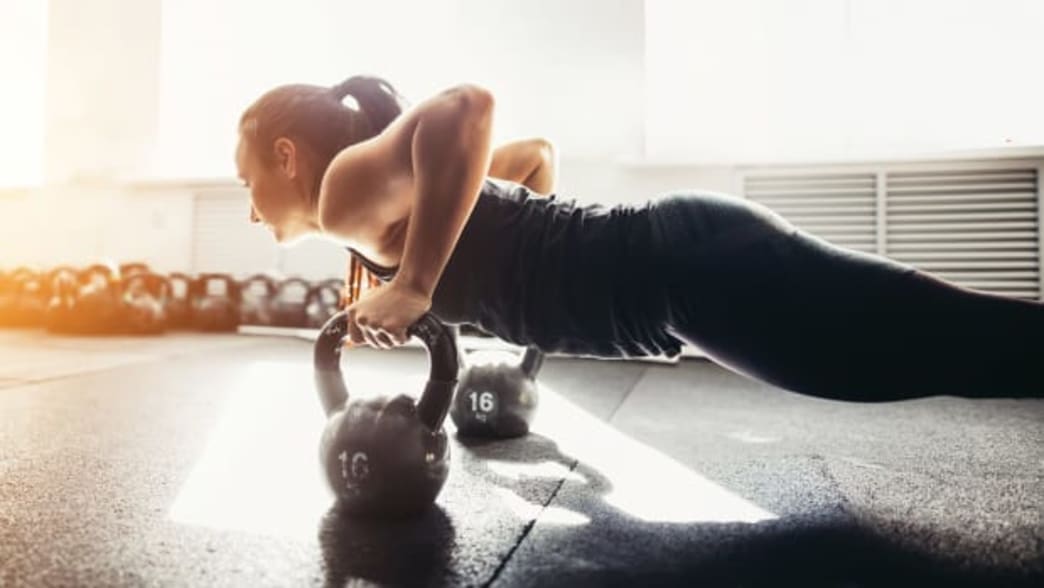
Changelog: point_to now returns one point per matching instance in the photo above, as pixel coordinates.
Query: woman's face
(278, 198)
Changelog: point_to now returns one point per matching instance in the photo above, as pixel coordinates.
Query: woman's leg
(780, 305)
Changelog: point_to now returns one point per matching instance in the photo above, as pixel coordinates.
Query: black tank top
(542, 271)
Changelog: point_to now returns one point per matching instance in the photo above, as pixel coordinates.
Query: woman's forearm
(530, 162)
(450, 156)
(542, 178)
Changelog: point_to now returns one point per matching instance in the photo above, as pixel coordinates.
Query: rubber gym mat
(203, 469)
(703, 477)
(30, 355)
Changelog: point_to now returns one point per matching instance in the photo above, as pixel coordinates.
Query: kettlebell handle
(434, 402)
(532, 361)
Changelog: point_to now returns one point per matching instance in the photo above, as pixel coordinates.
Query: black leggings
(775, 303)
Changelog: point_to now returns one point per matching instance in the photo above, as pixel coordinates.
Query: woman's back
(551, 273)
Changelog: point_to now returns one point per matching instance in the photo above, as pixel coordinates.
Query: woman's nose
(253, 216)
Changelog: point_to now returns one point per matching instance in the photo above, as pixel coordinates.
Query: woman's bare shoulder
(368, 186)
(358, 189)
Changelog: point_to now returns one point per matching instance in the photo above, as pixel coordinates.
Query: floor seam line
(526, 530)
(529, 526)
(626, 395)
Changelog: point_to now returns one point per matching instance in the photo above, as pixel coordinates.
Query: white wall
(23, 56)
(102, 88)
(614, 182)
(65, 224)
(764, 81)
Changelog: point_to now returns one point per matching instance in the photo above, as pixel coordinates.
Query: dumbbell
(144, 303)
(498, 395)
(385, 456)
(216, 303)
(288, 306)
(323, 301)
(97, 302)
(179, 300)
(256, 295)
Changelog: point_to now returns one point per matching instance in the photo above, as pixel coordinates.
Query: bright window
(23, 68)
(763, 80)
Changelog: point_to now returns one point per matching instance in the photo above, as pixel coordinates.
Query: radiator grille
(978, 228)
(838, 208)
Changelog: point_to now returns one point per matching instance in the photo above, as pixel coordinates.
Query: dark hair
(377, 99)
(316, 118)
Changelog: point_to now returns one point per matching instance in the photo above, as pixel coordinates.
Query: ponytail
(377, 98)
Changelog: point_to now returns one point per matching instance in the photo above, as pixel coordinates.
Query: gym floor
(192, 460)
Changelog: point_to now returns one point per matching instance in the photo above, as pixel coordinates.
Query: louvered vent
(978, 229)
(840, 208)
(223, 239)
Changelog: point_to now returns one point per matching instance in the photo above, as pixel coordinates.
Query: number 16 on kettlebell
(483, 405)
(497, 399)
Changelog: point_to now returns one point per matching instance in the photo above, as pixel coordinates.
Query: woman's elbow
(477, 98)
(545, 149)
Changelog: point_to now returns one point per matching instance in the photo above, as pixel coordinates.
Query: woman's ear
(286, 156)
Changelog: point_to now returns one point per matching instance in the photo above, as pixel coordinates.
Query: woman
(408, 192)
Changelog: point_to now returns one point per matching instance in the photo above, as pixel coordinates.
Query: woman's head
(288, 137)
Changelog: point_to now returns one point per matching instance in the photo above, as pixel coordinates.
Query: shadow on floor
(831, 548)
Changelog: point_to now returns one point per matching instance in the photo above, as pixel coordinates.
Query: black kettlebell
(386, 456)
(256, 295)
(288, 308)
(97, 304)
(7, 297)
(179, 301)
(60, 316)
(33, 296)
(10, 295)
(216, 301)
(497, 398)
(128, 269)
(144, 299)
(323, 301)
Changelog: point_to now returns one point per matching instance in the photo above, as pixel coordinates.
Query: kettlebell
(288, 308)
(386, 456)
(144, 298)
(128, 269)
(11, 294)
(33, 296)
(216, 303)
(497, 398)
(7, 298)
(60, 316)
(97, 304)
(256, 295)
(323, 301)
(179, 301)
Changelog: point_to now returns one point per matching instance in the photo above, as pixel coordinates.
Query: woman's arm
(449, 154)
(530, 162)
